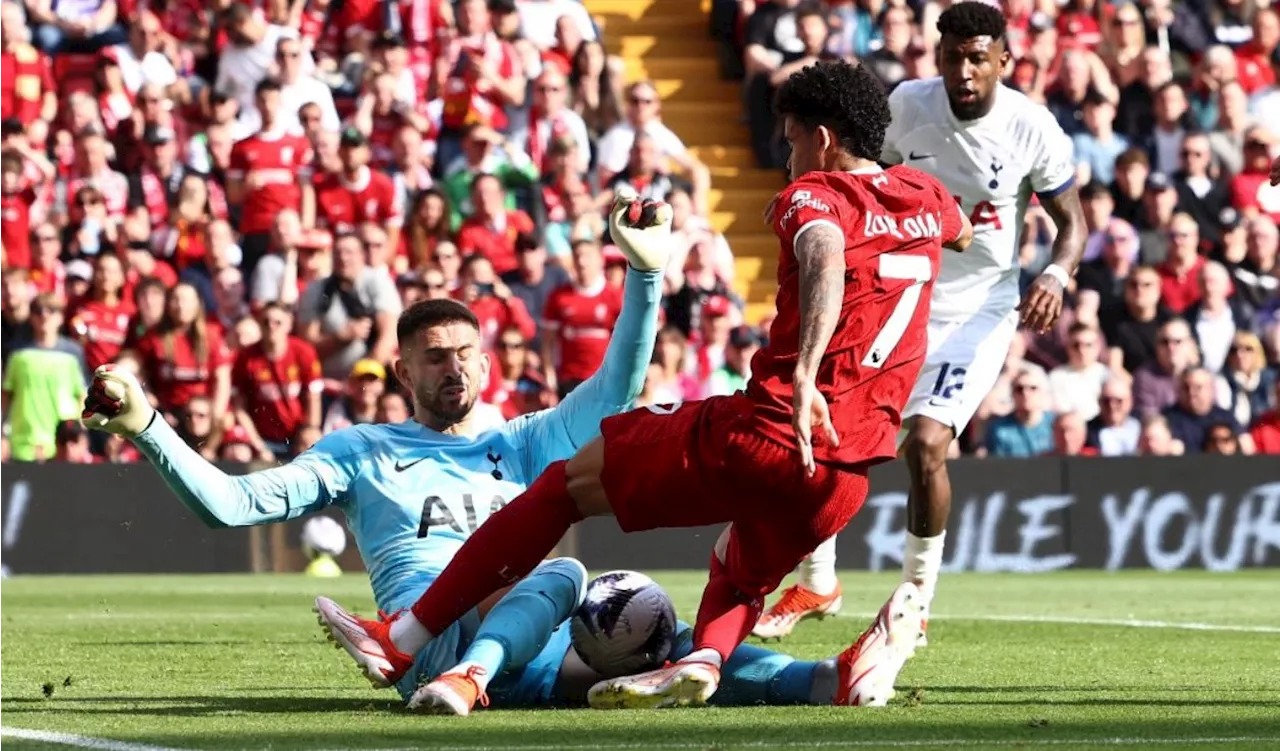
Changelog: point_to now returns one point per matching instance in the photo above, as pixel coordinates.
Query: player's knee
(566, 572)
(927, 444)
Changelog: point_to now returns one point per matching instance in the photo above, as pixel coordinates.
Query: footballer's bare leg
(929, 502)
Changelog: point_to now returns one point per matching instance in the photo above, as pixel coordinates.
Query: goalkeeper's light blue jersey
(412, 495)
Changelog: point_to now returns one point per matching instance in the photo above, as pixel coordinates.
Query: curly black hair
(846, 98)
(966, 20)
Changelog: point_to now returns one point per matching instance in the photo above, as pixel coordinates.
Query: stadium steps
(667, 42)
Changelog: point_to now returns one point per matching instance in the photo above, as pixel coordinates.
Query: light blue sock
(755, 675)
(518, 627)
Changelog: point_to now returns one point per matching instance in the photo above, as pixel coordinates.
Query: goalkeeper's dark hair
(427, 313)
(967, 20)
(846, 98)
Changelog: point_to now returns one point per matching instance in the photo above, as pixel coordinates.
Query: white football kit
(991, 165)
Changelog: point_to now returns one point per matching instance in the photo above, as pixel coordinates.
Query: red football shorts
(700, 463)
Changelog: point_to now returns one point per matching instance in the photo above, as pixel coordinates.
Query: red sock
(726, 616)
(505, 548)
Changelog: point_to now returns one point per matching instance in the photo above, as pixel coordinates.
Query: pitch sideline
(79, 741)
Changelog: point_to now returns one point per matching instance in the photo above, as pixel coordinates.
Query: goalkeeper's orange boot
(450, 693)
(869, 668)
(796, 604)
(368, 642)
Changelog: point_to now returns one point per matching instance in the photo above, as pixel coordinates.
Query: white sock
(922, 561)
(408, 635)
(706, 654)
(481, 676)
(817, 573)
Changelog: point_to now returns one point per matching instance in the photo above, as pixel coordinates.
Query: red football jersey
(497, 244)
(25, 77)
(342, 206)
(101, 329)
(584, 319)
(895, 222)
(15, 230)
(174, 373)
(275, 164)
(272, 391)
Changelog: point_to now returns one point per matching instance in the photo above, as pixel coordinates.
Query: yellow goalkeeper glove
(641, 230)
(116, 403)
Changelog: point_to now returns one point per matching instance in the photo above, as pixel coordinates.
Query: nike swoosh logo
(402, 467)
(913, 156)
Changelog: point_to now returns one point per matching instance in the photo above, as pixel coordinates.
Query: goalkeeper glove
(641, 230)
(116, 403)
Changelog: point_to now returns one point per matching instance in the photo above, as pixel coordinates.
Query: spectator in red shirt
(270, 171)
(1266, 429)
(27, 90)
(276, 384)
(516, 387)
(357, 194)
(493, 229)
(1251, 191)
(101, 322)
(1254, 66)
(578, 320)
(1180, 273)
(478, 73)
(492, 301)
(380, 115)
(184, 356)
(15, 230)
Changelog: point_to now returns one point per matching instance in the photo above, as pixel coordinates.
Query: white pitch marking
(79, 741)
(1065, 620)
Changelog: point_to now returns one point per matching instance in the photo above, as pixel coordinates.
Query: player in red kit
(785, 463)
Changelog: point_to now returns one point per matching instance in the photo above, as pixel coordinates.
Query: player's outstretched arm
(642, 231)
(820, 253)
(1043, 302)
(117, 404)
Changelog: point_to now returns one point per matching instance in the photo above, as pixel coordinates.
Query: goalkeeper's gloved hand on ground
(641, 230)
(116, 403)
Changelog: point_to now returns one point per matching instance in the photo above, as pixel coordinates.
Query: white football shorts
(963, 362)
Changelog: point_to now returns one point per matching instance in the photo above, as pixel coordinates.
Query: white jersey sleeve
(1053, 168)
(899, 123)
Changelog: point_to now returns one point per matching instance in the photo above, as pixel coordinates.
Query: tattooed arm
(820, 253)
(1043, 302)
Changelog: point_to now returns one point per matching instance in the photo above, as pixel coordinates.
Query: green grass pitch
(1072, 660)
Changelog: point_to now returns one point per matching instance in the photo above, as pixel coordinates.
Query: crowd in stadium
(237, 200)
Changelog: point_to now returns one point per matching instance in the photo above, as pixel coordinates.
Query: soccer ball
(322, 535)
(626, 624)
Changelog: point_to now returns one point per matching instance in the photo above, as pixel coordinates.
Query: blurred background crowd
(237, 200)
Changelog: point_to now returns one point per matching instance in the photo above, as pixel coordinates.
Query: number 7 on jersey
(917, 270)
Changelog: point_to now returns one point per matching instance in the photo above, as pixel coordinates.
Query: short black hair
(269, 83)
(846, 98)
(973, 19)
(427, 313)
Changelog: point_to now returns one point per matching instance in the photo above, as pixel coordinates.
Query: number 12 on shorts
(950, 380)
(917, 270)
